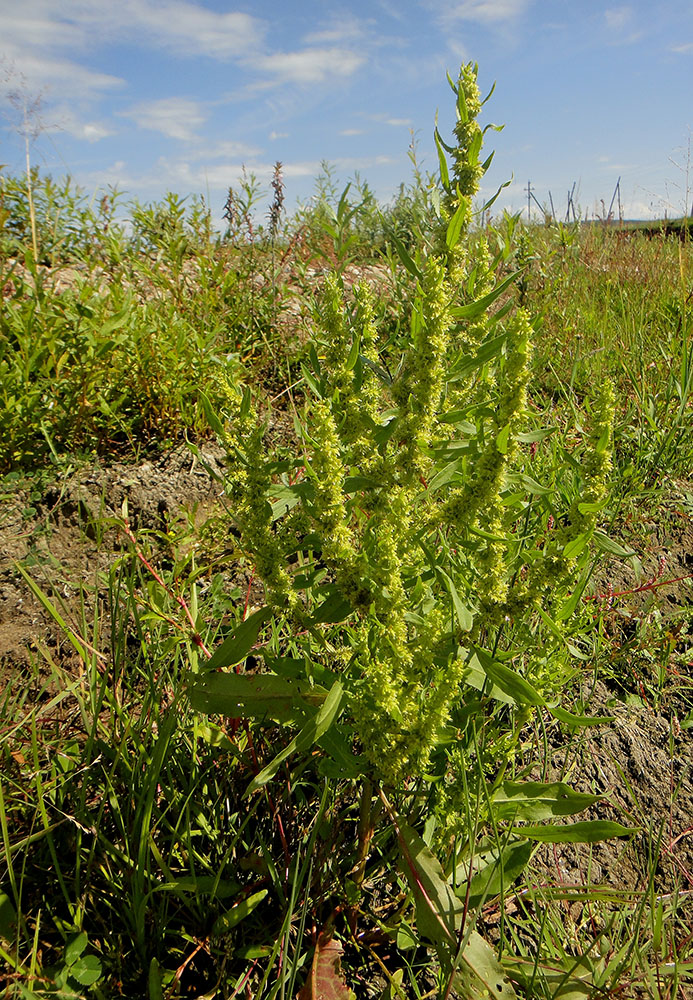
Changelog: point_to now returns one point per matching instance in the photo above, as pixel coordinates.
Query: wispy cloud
(223, 149)
(67, 120)
(43, 72)
(344, 28)
(48, 41)
(175, 117)
(278, 135)
(483, 11)
(310, 66)
(618, 18)
(620, 25)
(683, 49)
(191, 29)
(397, 122)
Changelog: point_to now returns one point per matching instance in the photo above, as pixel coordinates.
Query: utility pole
(617, 193)
(529, 200)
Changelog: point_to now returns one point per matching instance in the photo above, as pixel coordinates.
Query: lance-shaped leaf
(237, 645)
(492, 871)
(464, 616)
(326, 981)
(227, 921)
(476, 971)
(589, 832)
(310, 734)
(257, 696)
(474, 309)
(533, 800)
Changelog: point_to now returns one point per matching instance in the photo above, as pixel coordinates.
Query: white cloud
(47, 40)
(278, 135)
(224, 149)
(187, 27)
(191, 29)
(618, 18)
(175, 117)
(341, 29)
(67, 120)
(44, 73)
(619, 24)
(351, 131)
(684, 49)
(484, 11)
(399, 121)
(310, 65)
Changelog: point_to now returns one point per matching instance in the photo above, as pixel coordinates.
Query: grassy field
(347, 633)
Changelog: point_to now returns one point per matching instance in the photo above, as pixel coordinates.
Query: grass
(136, 860)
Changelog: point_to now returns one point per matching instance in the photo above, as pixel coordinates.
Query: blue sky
(156, 95)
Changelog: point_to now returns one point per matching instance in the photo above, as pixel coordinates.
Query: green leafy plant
(419, 599)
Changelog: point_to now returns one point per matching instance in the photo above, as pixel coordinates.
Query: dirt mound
(65, 532)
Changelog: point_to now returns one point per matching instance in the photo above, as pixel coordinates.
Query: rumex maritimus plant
(399, 557)
(392, 555)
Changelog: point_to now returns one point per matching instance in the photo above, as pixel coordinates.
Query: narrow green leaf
(488, 96)
(405, 258)
(446, 475)
(257, 696)
(48, 606)
(533, 800)
(353, 352)
(309, 735)
(333, 609)
(476, 678)
(490, 349)
(503, 439)
(587, 832)
(154, 981)
(462, 112)
(227, 921)
(607, 544)
(509, 681)
(454, 230)
(475, 148)
(210, 414)
(442, 160)
(237, 645)
(493, 872)
(246, 403)
(532, 437)
(530, 485)
(474, 309)
(116, 321)
(491, 200)
(577, 545)
(465, 619)
(312, 382)
(581, 721)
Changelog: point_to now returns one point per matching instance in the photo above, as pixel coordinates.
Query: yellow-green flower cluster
(248, 488)
(419, 389)
(327, 472)
(467, 168)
